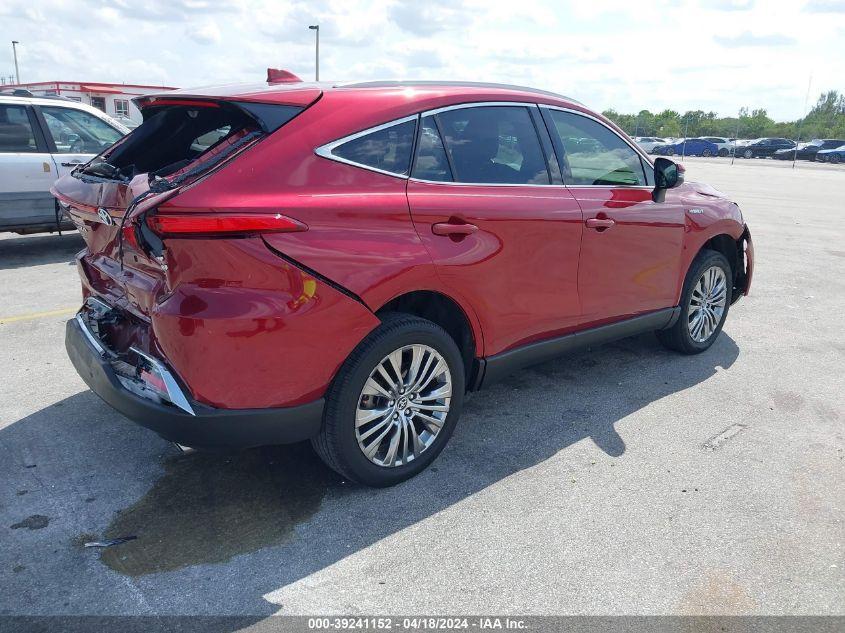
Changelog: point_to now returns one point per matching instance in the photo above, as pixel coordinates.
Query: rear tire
(701, 319)
(352, 422)
(723, 152)
(834, 158)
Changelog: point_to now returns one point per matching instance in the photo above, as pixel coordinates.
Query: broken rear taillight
(193, 224)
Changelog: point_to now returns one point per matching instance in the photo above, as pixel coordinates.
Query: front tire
(723, 152)
(670, 152)
(748, 153)
(705, 302)
(706, 153)
(394, 403)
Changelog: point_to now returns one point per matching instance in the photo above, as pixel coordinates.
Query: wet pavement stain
(34, 522)
(208, 508)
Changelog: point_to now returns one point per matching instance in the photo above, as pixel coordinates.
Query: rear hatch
(182, 140)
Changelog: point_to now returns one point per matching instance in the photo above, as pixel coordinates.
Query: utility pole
(15, 55)
(738, 119)
(316, 29)
(801, 120)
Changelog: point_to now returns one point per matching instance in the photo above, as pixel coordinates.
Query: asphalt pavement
(625, 479)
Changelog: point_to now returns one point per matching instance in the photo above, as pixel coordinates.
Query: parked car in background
(648, 142)
(808, 151)
(763, 147)
(722, 143)
(42, 139)
(687, 147)
(127, 122)
(835, 155)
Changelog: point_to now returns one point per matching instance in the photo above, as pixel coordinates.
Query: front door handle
(599, 224)
(450, 229)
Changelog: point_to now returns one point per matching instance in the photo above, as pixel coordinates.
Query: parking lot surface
(620, 480)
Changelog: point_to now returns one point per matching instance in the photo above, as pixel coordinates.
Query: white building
(113, 99)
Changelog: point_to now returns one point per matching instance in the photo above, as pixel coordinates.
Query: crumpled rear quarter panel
(246, 329)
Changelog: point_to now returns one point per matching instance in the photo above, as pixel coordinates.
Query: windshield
(78, 131)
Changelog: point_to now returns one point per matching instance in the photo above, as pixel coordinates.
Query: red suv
(342, 263)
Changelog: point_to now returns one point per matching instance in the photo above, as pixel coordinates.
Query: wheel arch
(448, 314)
(734, 249)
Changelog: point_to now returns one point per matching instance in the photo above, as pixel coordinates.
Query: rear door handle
(599, 223)
(448, 228)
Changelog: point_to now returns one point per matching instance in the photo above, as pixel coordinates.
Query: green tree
(826, 119)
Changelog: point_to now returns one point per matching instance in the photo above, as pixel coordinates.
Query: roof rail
(466, 84)
(17, 93)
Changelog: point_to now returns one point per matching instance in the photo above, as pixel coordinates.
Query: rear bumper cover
(209, 428)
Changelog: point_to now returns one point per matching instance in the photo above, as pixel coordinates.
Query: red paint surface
(246, 328)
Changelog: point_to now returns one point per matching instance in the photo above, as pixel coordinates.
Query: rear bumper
(210, 427)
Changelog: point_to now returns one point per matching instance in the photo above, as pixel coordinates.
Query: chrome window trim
(480, 104)
(325, 151)
(643, 156)
(482, 184)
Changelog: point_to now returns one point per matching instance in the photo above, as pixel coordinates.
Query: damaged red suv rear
(342, 263)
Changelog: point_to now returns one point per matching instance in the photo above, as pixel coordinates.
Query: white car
(42, 139)
(648, 142)
(724, 144)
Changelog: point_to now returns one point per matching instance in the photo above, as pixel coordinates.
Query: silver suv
(42, 139)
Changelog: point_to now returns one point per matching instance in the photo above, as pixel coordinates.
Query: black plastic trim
(210, 428)
(501, 365)
(44, 142)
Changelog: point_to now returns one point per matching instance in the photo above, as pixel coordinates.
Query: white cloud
(204, 33)
(710, 54)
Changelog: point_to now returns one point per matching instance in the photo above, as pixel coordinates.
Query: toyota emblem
(105, 218)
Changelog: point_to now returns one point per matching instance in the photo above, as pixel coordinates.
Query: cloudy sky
(625, 54)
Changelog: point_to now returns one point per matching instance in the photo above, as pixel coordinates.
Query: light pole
(15, 55)
(316, 29)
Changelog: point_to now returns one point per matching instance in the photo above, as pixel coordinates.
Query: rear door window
(493, 145)
(431, 162)
(386, 148)
(78, 132)
(593, 154)
(16, 130)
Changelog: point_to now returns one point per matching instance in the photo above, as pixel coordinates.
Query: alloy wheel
(403, 405)
(707, 304)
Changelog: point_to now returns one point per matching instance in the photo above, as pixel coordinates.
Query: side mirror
(667, 175)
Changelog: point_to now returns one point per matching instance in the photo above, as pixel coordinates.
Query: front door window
(593, 154)
(78, 132)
